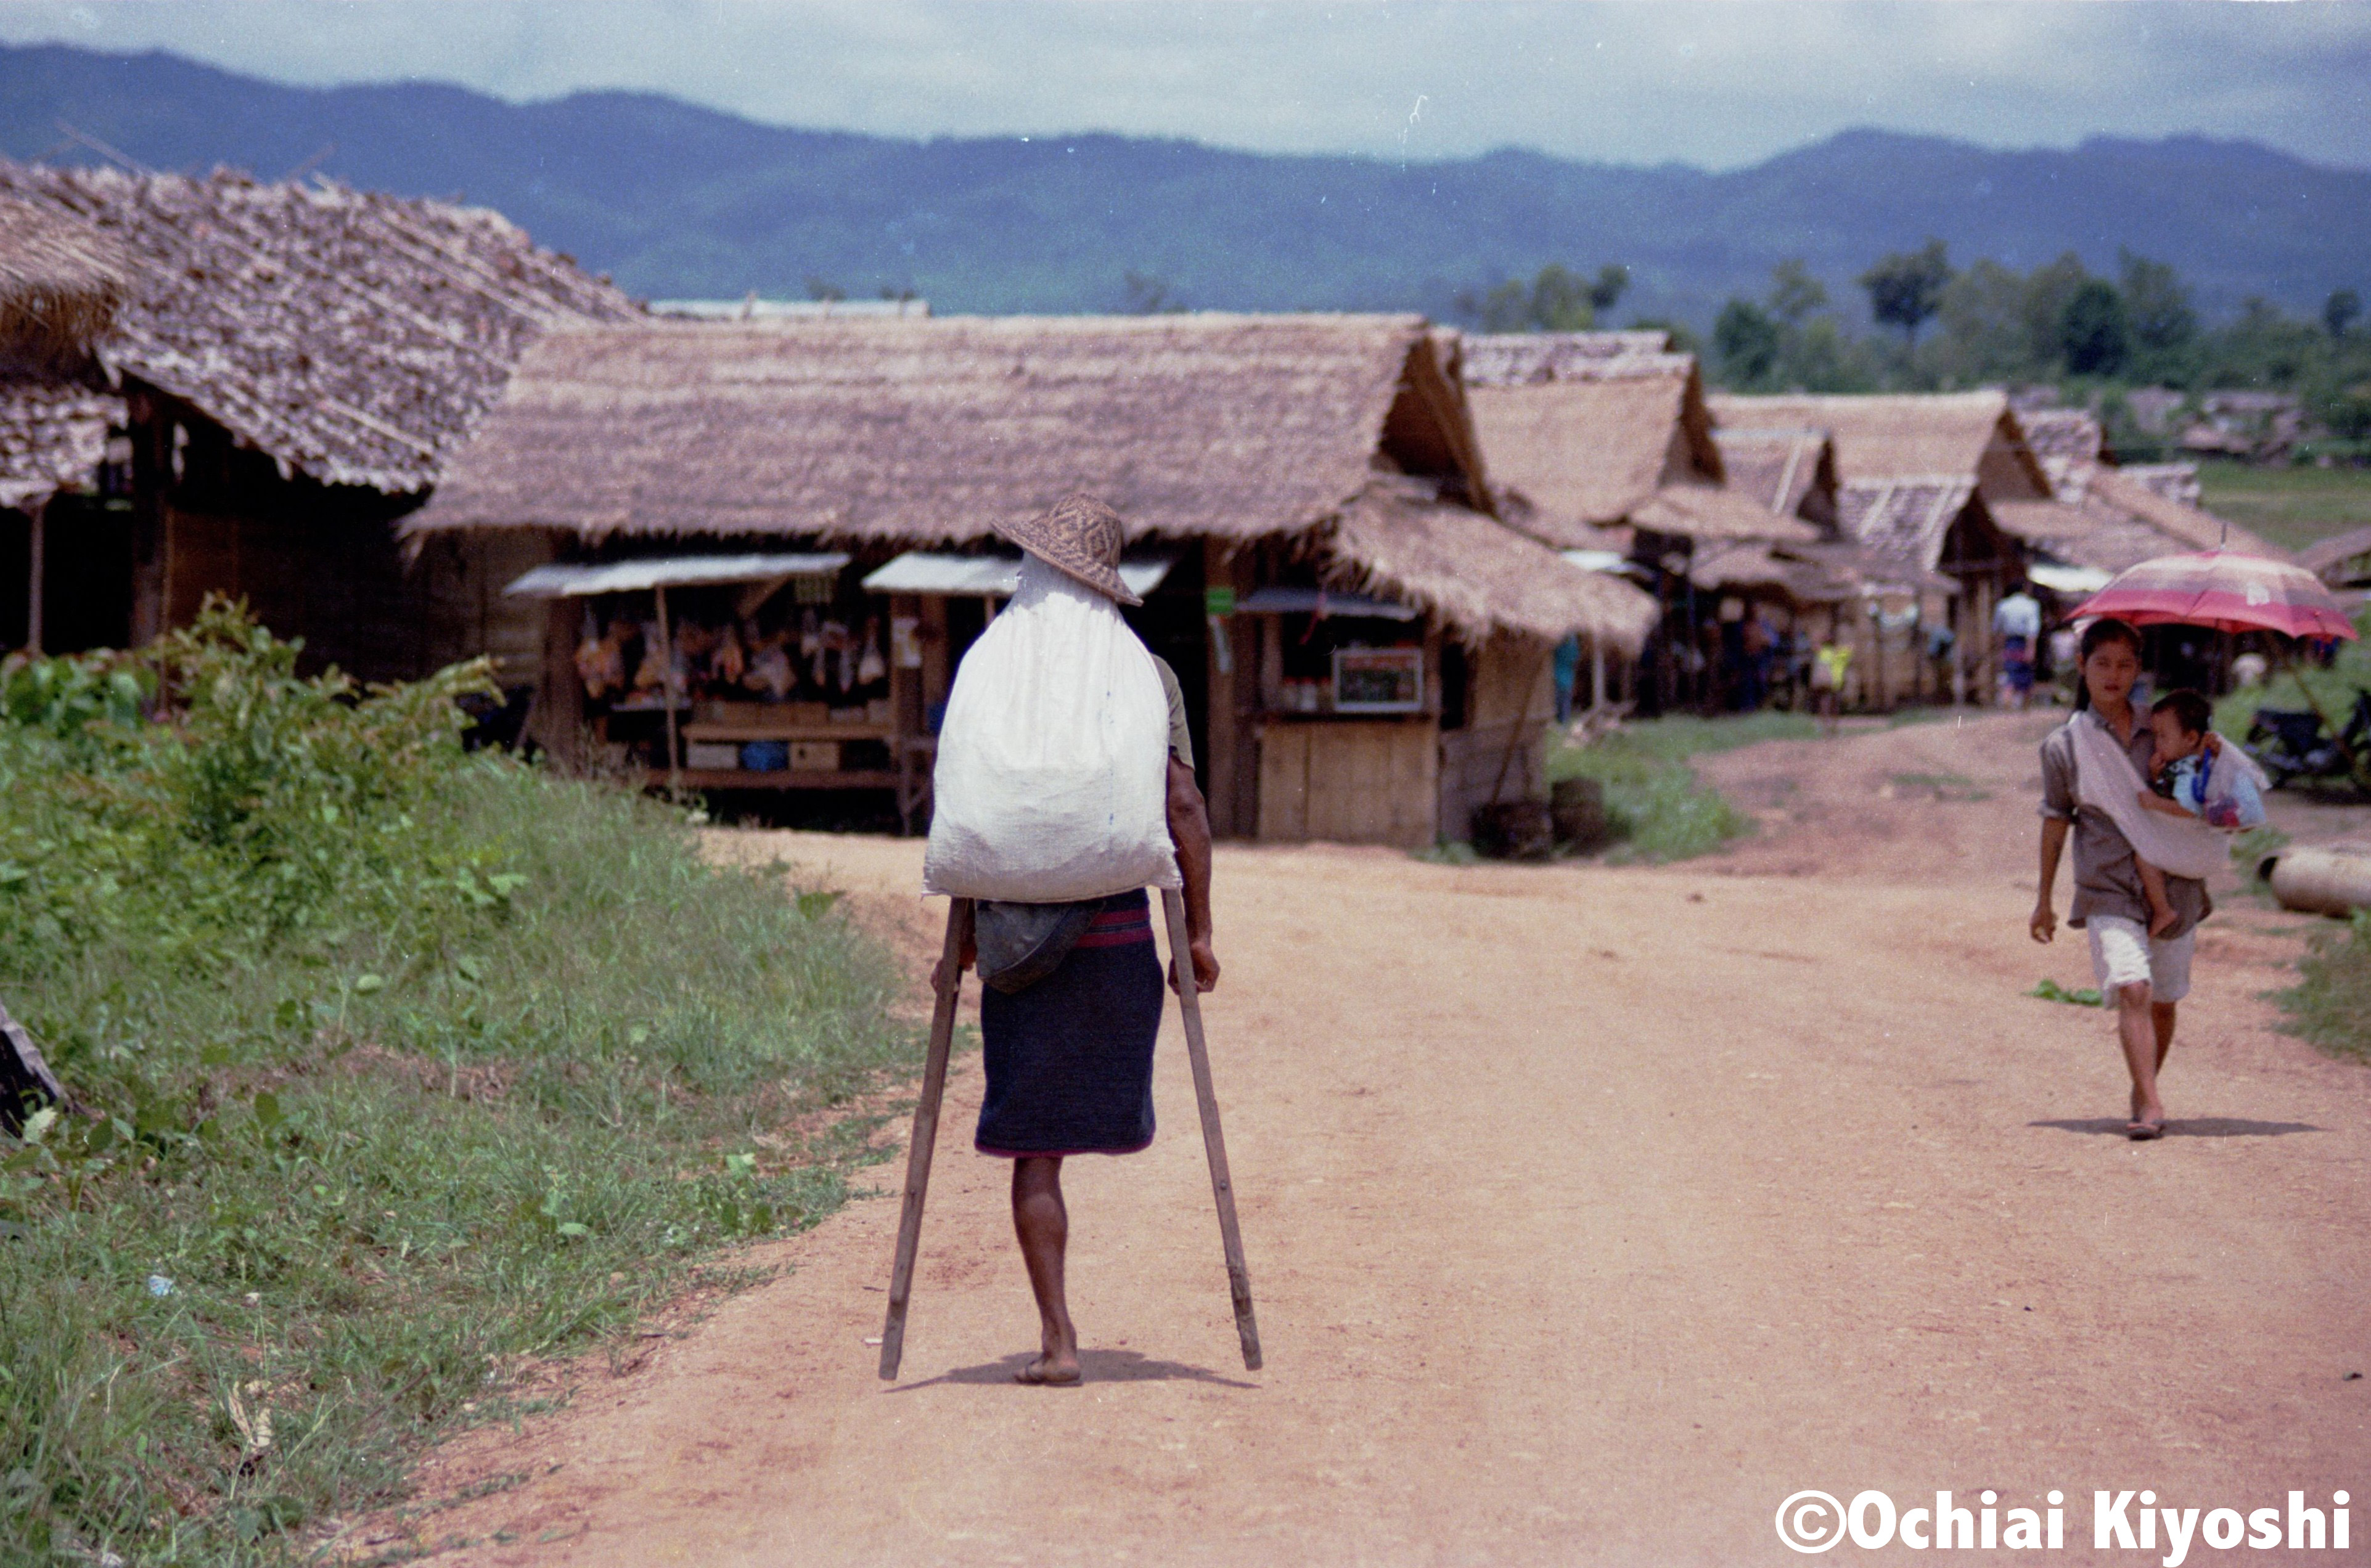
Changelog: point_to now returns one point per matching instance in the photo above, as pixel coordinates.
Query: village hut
(2101, 518)
(288, 367)
(1792, 471)
(1919, 476)
(1600, 444)
(60, 284)
(1363, 646)
(2343, 560)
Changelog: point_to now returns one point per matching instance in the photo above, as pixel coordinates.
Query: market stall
(742, 671)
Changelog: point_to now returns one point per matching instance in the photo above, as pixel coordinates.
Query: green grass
(2291, 507)
(404, 1067)
(2331, 1004)
(1657, 809)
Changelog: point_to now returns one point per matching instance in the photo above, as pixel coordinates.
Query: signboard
(1379, 680)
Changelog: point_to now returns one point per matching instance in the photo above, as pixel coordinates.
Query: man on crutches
(1071, 990)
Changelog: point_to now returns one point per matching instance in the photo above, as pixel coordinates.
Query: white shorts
(2123, 953)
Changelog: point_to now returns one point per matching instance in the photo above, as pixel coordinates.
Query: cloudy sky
(1711, 85)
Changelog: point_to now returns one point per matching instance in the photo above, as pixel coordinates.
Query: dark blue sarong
(1069, 1058)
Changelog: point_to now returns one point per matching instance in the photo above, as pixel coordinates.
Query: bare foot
(2163, 920)
(1051, 1370)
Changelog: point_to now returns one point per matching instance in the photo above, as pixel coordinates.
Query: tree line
(1940, 326)
(2060, 323)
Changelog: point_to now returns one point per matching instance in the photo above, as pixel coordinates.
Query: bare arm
(2045, 924)
(1190, 830)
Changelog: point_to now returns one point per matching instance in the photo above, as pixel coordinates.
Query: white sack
(1052, 782)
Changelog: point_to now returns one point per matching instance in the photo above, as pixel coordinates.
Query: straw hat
(1081, 537)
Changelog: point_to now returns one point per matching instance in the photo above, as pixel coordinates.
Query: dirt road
(1590, 1212)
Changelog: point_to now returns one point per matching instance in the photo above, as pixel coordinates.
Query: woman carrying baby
(2094, 773)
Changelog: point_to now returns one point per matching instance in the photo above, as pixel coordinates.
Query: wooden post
(667, 693)
(1596, 673)
(1214, 1141)
(34, 594)
(926, 1134)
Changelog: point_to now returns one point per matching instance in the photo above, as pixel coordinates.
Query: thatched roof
(1476, 573)
(2343, 560)
(1746, 566)
(1791, 471)
(1526, 359)
(60, 284)
(1712, 512)
(1971, 435)
(356, 338)
(52, 436)
(929, 431)
(1591, 429)
(2082, 533)
(2175, 481)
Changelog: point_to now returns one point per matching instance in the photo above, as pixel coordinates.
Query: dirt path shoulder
(1590, 1212)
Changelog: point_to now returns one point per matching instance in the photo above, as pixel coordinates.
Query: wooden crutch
(1214, 1141)
(926, 1134)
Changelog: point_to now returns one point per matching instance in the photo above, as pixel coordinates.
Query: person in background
(2065, 659)
(1828, 667)
(2017, 622)
(1566, 670)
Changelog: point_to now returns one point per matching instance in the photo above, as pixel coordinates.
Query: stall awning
(921, 572)
(1323, 602)
(673, 572)
(2068, 579)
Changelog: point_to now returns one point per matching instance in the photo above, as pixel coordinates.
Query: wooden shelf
(710, 730)
(742, 779)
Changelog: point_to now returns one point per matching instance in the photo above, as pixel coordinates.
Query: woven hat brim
(1103, 578)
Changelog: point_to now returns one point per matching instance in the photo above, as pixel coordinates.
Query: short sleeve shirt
(2106, 880)
(1181, 738)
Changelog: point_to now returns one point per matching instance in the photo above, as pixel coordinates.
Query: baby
(2186, 751)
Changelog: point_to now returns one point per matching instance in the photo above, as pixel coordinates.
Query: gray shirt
(2106, 880)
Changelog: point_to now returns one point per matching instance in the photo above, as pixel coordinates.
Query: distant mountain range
(674, 200)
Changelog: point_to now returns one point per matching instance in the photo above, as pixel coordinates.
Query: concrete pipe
(2320, 881)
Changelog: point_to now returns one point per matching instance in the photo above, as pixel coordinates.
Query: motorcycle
(2292, 742)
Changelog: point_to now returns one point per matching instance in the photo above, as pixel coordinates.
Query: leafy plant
(2052, 991)
(400, 1065)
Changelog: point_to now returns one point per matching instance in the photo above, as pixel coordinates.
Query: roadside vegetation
(2331, 1004)
(396, 1067)
(1655, 805)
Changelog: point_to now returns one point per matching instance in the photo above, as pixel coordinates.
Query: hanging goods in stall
(1051, 784)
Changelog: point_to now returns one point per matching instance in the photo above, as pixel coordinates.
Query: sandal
(2145, 1132)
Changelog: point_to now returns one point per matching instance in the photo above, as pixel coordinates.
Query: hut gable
(1589, 430)
(1792, 472)
(1970, 435)
(353, 338)
(1903, 520)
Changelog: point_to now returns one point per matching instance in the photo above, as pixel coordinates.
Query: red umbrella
(2223, 590)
